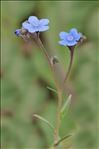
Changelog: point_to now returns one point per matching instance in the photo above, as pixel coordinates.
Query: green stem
(70, 64)
(59, 92)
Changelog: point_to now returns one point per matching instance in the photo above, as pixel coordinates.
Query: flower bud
(17, 32)
(54, 60)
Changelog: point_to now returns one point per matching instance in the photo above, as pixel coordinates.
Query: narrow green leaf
(65, 107)
(62, 139)
(44, 120)
(53, 90)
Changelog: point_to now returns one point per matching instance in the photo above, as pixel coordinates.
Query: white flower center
(70, 38)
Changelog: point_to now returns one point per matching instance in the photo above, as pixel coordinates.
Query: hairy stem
(59, 92)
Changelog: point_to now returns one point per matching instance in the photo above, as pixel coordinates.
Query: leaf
(62, 139)
(65, 107)
(44, 120)
(53, 90)
(58, 143)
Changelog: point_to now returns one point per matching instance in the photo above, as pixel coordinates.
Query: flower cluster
(34, 25)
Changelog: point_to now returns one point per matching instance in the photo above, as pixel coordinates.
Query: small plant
(31, 29)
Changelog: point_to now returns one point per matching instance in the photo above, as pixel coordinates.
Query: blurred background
(25, 75)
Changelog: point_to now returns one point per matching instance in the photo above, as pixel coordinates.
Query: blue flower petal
(72, 43)
(73, 31)
(32, 30)
(79, 36)
(63, 35)
(75, 34)
(26, 25)
(62, 42)
(66, 43)
(33, 20)
(44, 21)
(43, 28)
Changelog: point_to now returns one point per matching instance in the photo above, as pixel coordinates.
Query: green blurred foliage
(25, 75)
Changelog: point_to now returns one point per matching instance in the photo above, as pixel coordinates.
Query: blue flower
(17, 32)
(35, 25)
(69, 39)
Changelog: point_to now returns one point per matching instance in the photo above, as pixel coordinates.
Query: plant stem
(70, 64)
(49, 61)
(58, 117)
(59, 92)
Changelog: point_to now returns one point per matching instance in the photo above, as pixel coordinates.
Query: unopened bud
(83, 38)
(54, 60)
(18, 32)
